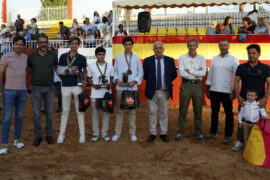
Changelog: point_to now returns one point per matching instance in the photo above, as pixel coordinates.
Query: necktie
(158, 74)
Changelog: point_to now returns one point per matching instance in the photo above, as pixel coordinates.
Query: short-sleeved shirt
(253, 78)
(94, 73)
(42, 68)
(15, 70)
(80, 62)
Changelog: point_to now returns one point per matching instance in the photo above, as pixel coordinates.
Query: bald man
(159, 73)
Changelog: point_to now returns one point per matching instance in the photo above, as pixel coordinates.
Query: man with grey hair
(159, 72)
(192, 68)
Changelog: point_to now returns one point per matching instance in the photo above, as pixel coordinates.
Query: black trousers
(217, 98)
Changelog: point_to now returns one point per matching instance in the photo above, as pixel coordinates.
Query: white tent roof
(136, 4)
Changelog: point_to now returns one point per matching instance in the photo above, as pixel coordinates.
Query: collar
(192, 57)
(251, 103)
(74, 55)
(254, 66)
(225, 55)
(160, 58)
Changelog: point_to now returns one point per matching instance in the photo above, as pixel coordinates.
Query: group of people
(258, 26)
(90, 34)
(31, 32)
(158, 71)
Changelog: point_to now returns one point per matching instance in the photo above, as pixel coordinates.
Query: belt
(248, 122)
(192, 81)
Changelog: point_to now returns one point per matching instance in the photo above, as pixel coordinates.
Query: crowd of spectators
(251, 25)
(31, 32)
(92, 34)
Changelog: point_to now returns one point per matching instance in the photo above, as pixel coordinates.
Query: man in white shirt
(250, 113)
(100, 77)
(192, 68)
(220, 89)
(88, 26)
(128, 64)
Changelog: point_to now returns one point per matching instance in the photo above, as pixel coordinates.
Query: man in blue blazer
(159, 73)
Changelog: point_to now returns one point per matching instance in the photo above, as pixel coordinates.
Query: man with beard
(41, 65)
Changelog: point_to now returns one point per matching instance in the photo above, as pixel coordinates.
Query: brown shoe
(49, 139)
(37, 142)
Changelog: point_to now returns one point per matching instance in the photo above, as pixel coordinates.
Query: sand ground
(184, 160)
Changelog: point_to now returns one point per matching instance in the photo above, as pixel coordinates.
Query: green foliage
(54, 3)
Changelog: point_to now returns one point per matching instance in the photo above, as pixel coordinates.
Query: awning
(136, 4)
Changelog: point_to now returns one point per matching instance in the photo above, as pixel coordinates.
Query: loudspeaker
(144, 22)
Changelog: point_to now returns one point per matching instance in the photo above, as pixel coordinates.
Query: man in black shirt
(253, 75)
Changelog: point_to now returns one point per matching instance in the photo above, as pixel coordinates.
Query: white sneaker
(18, 143)
(4, 149)
(106, 138)
(94, 138)
(60, 139)
(238, 146)
(115, 138)
(82, 139)
(133, 138)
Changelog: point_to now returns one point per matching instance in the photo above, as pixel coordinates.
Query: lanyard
(100, 69)
(128, 63)
(72, 61)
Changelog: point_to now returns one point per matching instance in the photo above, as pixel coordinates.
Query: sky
(30, 8)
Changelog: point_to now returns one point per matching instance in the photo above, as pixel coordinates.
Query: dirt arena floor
(184, 160)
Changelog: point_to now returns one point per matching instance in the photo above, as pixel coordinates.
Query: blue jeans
(47, 94)
(13, 98)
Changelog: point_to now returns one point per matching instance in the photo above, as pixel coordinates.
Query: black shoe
(151, 138)
(211, 135)
(49, 139)
(59, 109)
(178, 137)
(164, 138)
(200, 138)
(227, 140)
(37, 142)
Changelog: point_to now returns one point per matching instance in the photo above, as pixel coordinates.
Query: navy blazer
(149, 68)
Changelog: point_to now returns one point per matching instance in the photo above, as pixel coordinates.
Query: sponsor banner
(89, 53)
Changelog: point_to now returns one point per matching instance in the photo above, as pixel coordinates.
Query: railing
(7, 47)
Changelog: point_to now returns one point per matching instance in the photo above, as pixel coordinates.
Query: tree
(53, 3)
(53, 10)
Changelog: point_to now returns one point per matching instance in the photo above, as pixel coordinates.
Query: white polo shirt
(221, 72)
(94, 73)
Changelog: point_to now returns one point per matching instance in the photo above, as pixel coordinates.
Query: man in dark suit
(159, 72)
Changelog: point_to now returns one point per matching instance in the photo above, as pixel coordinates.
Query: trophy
(79, 78)
(102, 82)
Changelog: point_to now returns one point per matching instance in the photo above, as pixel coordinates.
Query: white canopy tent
(136, 4)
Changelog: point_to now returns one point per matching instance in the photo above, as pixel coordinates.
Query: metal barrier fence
(7, 47)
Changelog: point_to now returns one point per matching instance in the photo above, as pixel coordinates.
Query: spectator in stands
(121, 31)
(263, 27)
(248, 27)
(8, 34)
(110, 18)
(4, 29)
(87, 25)
(3, 26)
(103, 25)
(97, 37)
(36, 35)
(210, 30)
(89, 40)
(12, 29)
(27, 36)
(80, 35)
(29, 29)
(75, 25)
(220, 29)
(107, 37)
(253, 15)
(19, 24)
(96, 19)
(33, 24)
(3, 43)
(228, 29)
(64, 31)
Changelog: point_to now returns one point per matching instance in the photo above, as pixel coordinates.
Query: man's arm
(263, 101)
(2, 70)
(200, 72)
(236, 89)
